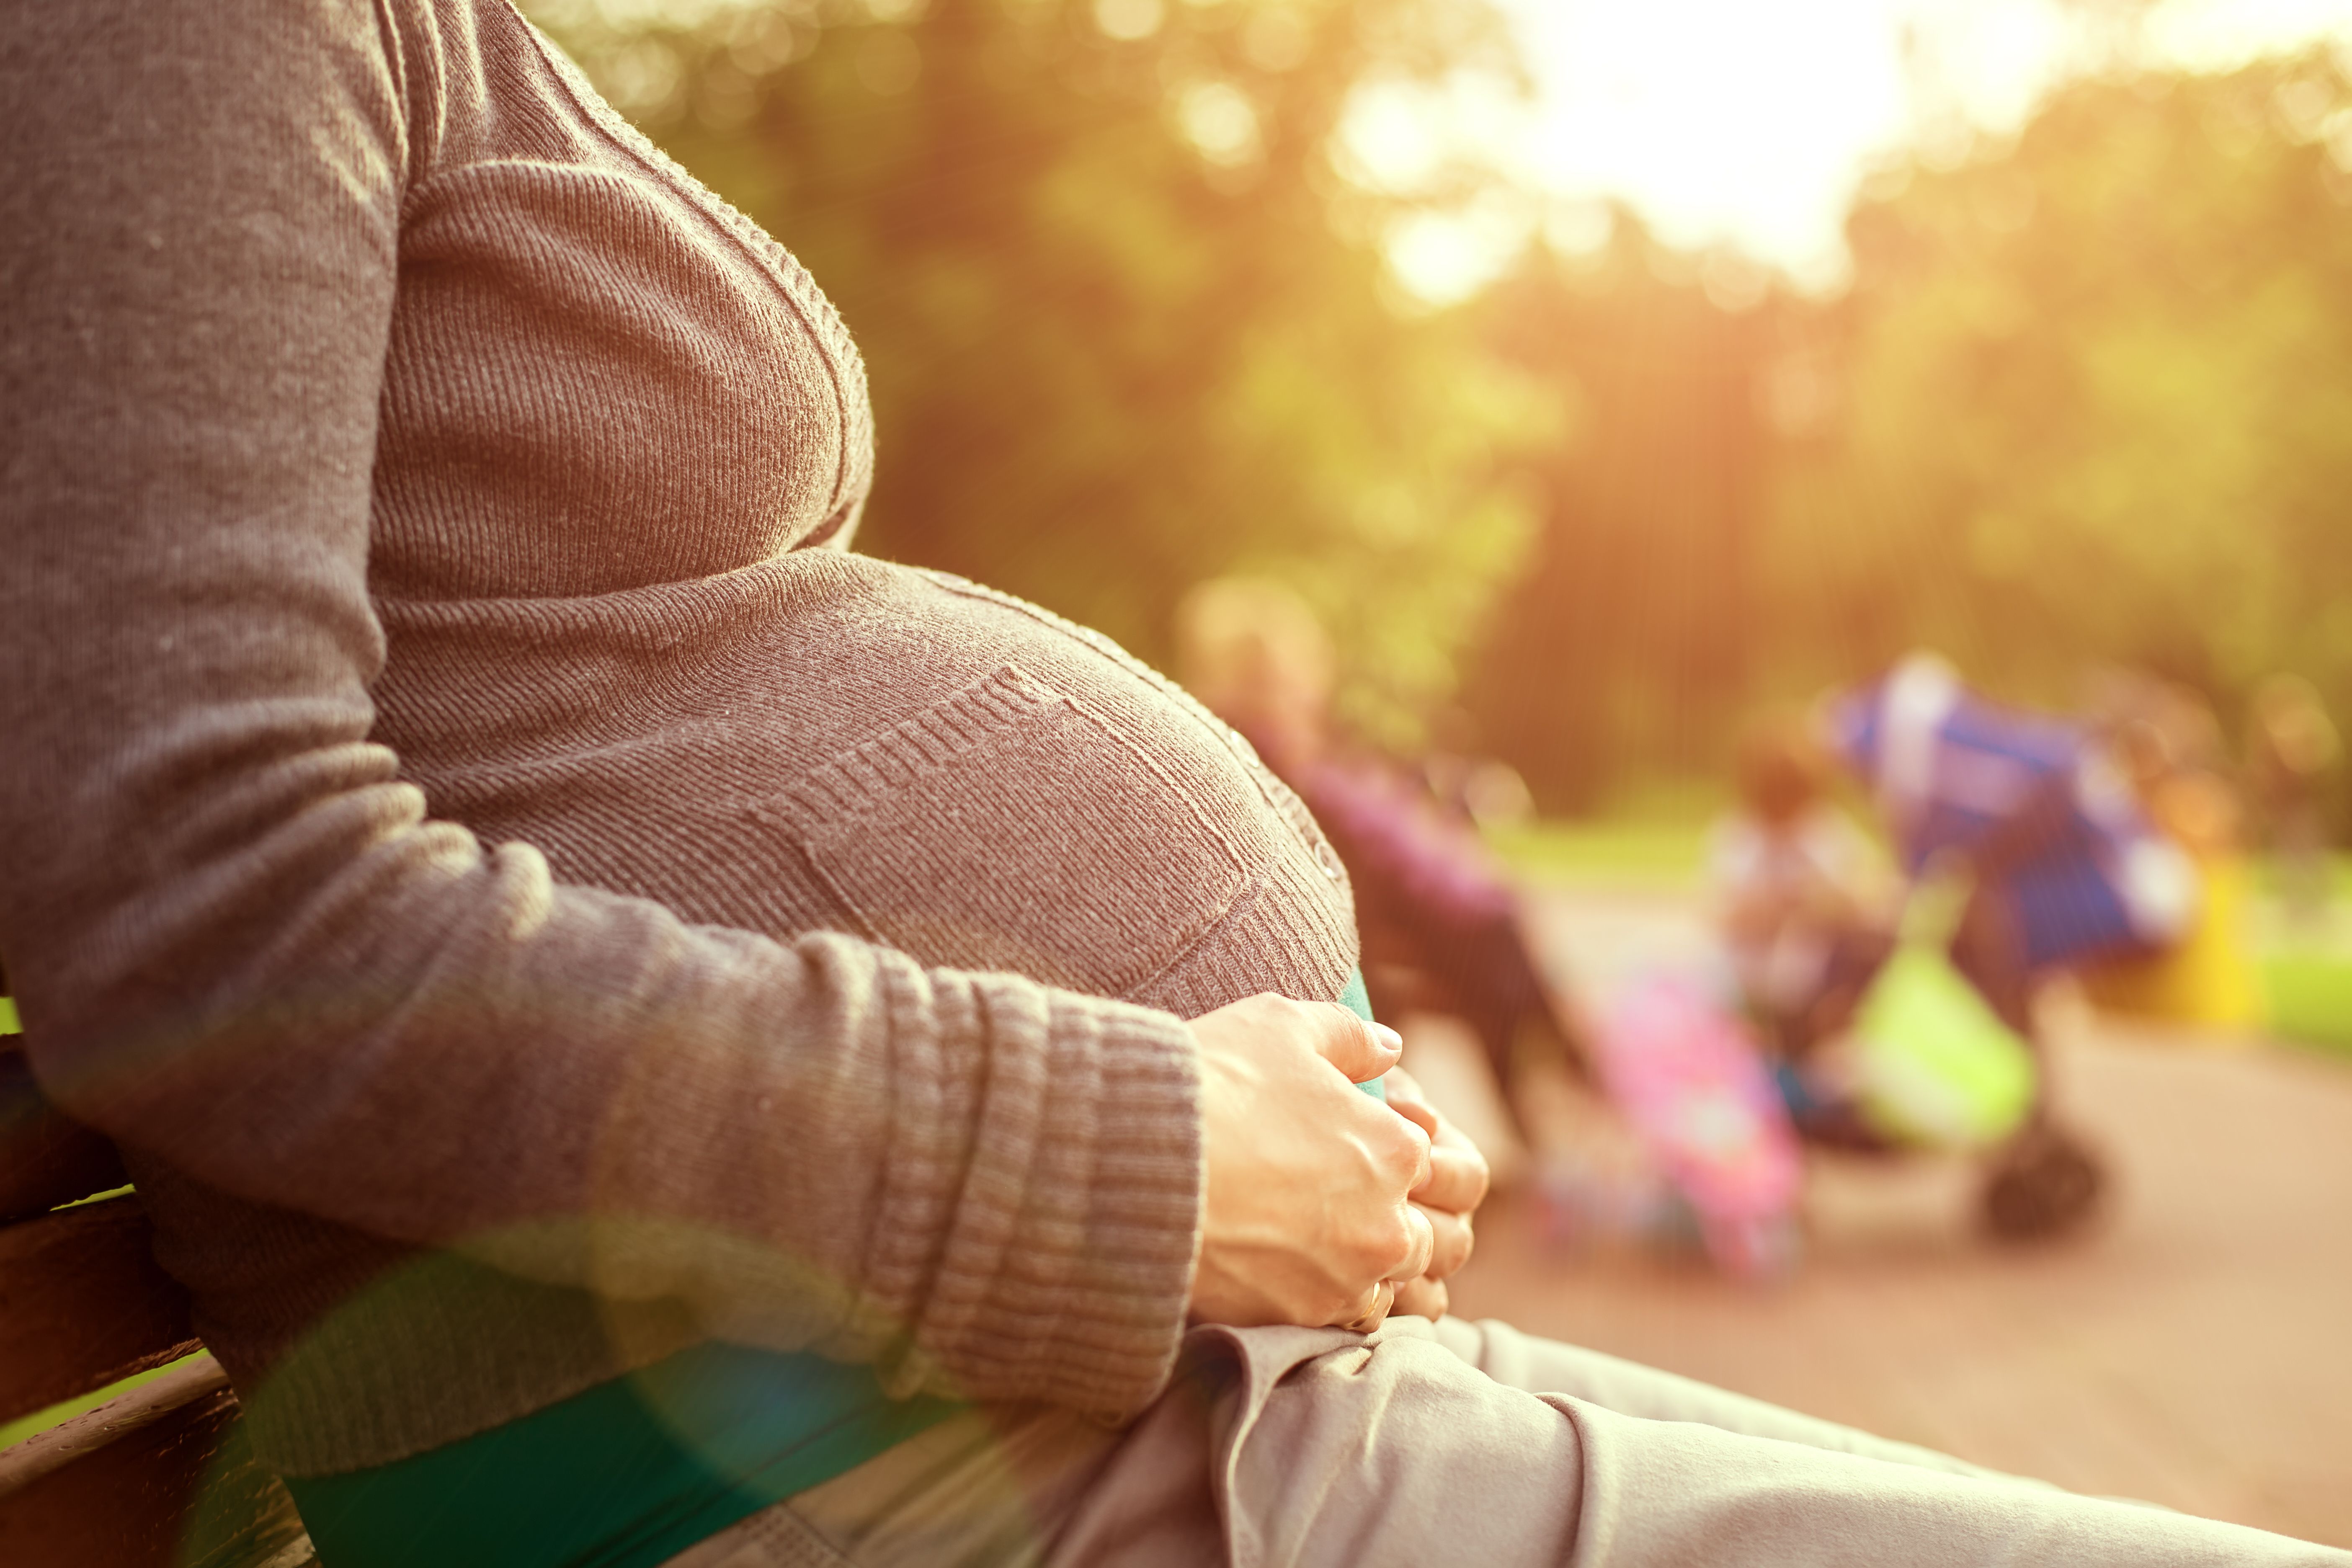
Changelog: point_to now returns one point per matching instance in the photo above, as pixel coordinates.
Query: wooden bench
(160, 1475)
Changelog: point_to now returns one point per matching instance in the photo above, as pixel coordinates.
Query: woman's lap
(1452, 1441)
(1539, 1365)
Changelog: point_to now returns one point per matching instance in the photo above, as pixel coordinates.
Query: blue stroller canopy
(1954, 773)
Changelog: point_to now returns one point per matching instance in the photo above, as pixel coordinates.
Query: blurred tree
(2088, 400)
(2093, 398)
(1126, 325)
(1625, 646)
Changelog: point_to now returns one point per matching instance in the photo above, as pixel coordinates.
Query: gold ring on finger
(1383, 1297)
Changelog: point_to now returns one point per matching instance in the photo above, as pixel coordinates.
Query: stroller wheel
(2045, 1185)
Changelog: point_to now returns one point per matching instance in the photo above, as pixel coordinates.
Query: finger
(1420, 1242)
(1450, 1241)
(1454, 1137)
(1398, 1147)
(1458, 1179)
(1406, 1099)
(1421, 1150)
(1374, 1307)
(1361, 1050)
(1422, 1298)
(1405, 1083)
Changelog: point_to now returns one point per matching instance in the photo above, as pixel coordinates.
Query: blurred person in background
(1803, 899)
(1440, 922)
(2167, 740)
(2292, 749)
(1486, 791)
(1800, 892)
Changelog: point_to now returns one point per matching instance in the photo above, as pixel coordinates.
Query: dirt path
(2195, 1350)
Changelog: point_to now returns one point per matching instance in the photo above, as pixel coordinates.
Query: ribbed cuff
(1067, 1265)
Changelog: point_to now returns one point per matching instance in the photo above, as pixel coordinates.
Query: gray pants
(1427, 1445)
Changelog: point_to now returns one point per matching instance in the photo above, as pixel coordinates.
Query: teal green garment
(631, 1472)
(1359, 1001)
(626, 1475)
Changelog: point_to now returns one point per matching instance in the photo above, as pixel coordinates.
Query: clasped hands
(1323, 1205)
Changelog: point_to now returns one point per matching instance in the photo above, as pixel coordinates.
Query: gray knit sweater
(430, 762)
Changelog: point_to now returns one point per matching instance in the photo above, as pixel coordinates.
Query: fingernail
(1389, 1036)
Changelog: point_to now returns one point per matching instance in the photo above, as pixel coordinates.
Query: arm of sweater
(242, 944)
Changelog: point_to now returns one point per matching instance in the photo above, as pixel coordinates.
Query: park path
(2194, 1350)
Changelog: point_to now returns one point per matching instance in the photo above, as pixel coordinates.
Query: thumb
(1361, 1050)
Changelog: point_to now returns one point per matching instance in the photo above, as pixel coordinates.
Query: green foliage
(2310, 996)
(2097, 398)
(1124, 323)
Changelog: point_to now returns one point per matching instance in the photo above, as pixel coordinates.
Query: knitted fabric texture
(520, 907)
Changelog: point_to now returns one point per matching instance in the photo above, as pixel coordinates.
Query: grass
(2310, 995)
(1654, 835)
(1644, 854)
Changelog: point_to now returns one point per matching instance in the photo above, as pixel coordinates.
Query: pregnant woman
(650, 1037)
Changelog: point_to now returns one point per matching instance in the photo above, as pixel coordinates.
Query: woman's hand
(1457, 1183)
(1309, 1217)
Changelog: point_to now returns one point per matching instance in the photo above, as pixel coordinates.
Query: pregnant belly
(831, 742)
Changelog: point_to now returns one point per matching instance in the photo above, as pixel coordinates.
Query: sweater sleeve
(242, 944)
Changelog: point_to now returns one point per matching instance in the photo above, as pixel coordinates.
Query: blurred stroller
(2027, 854)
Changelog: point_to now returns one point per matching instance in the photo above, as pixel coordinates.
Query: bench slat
(46, 1157)
(159, 1478)
(83, 1303)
